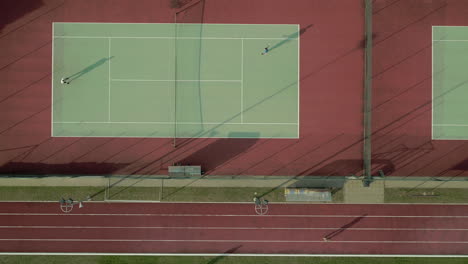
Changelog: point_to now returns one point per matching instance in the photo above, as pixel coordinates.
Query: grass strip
(169, 194)
(406, 195)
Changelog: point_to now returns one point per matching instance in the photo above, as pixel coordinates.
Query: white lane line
(229, 255)
(250, 215)
(171, 123)
(449, 125)
(234, 228)
(230, 241)
(178, 38)
(156, 80)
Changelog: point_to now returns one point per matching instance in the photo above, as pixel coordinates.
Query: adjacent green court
(449, 82)
(175, 80)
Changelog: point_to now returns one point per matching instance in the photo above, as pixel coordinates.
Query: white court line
(178, 38)
(167, 137)
(52, 88)
(242, 82)
(298, 79)
(171, 123)
(109, 95)
(232, 241)
(450, 40)
(233, 228)
(432, 83)
(233, 215)
(142, 23)
(155, 80)
(450, 125)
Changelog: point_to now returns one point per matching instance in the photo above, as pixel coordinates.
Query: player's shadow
(88, 69)
(290, 37)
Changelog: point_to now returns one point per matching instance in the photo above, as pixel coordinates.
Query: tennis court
(449, 82)
(175, 80)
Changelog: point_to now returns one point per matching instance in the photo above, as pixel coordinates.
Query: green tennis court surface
(175, 80)
(449, 82)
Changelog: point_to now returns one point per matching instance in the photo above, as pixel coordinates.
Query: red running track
(234, 228)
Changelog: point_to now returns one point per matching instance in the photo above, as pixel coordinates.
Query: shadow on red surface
(13, 10)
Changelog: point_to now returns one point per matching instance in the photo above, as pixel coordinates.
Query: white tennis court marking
(52, 87)
(242, 83)
(170, 37)
(298, 79)
(162, 136)
(109, 96)
(231, 241)
(432, 83)
(234, 228)
(156, 80)
(178, 38)
(450, 125)
(171, 123)
(144, 23)
(450, 40)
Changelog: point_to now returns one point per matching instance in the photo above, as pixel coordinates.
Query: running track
(234, 228)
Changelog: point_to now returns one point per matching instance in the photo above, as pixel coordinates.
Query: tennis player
(266, 50)
(65, 80)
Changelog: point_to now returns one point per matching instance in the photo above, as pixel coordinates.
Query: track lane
(217, 228)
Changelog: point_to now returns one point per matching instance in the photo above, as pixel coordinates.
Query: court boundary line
(432, 87)
(165, 137)
(450, 40)
(455, 125)
(213, 38)
(52, 86)
(298, 81)
(109, 84)
(140, 23)
(169, 123)
(432, 83)
(230, 255)
(156, 80)
(242, 82)
(198, 38)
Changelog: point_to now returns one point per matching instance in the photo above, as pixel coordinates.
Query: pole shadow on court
(88, 69)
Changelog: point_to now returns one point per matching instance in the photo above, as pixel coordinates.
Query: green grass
(221, 260)
(210, 194)
(170, 194)
(404, 195)
(46, 193)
